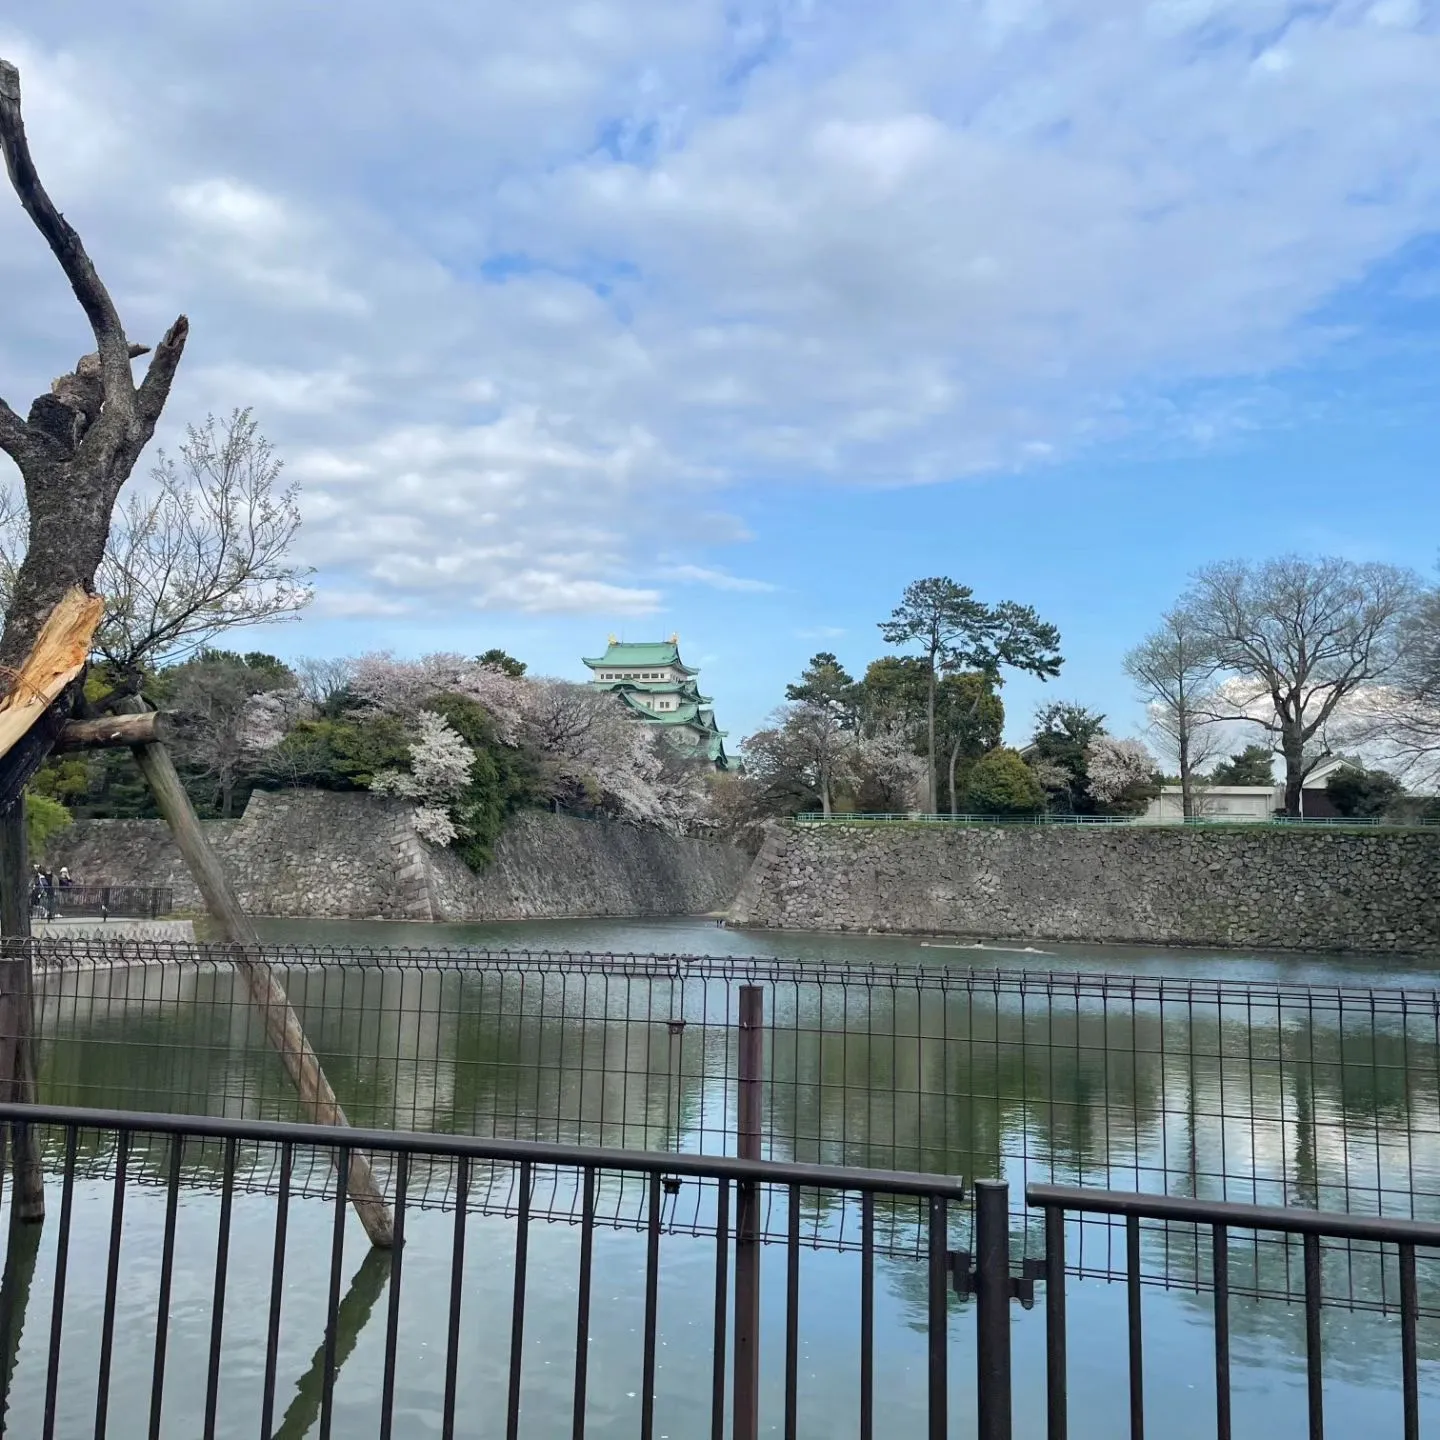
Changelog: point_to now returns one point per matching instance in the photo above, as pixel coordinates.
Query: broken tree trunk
(31, 714)
(282, 1025)
(17, 1010)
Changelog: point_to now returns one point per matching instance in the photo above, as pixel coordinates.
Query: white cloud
(334, 604)
(278, 388)
(715, 579)
(520, 290)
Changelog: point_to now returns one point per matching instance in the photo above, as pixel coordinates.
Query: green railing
(1169, 822)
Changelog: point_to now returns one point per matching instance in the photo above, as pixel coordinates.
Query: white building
(1251, 802)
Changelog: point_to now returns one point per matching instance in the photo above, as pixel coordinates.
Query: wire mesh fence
(139, 902)
(1319, 1096)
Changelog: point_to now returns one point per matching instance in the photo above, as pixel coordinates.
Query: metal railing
(169, 1368)
(1326, 1096)
(1336, 822)
(138, 902)
(1393, 1240)
(223, 1307)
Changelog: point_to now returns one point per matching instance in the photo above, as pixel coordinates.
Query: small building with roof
(658, 687)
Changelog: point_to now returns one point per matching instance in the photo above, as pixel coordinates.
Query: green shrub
(44, 820)
(502, 779)
(1003, 784)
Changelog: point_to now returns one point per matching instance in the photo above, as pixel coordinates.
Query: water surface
(917, 1060)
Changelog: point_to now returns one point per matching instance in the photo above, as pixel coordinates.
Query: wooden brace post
(282, 1025)
(113, 731)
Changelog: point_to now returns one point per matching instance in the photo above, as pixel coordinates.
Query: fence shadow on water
(1326, 1097)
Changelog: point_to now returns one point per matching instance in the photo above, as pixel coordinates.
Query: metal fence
(1342, 822)
(1215, 1229)
(83, 1371)
(148, 1309)
(1322, 1096)
(141, 902)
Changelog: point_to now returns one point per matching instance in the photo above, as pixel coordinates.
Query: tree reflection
(1272, 1095)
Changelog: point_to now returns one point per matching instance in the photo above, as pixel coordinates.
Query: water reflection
(1259, 1092)
(352, 1315)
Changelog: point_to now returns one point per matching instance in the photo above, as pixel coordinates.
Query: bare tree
(80, 441)
(1298, 637)
(321, 680)
(1401, 718)
(233, 713)
(205, 551)
(1174, 668)
(807, 750)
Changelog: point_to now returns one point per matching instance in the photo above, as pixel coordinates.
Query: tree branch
(64, 243)
(155, 388)
(14, 433)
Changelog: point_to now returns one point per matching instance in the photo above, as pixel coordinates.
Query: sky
(730, 319)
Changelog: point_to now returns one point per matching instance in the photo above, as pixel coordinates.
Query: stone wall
(547, 866)
(1237, 886)
(320, 854)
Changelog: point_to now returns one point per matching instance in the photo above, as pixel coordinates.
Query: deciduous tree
(1174, 668)
(323, 681)
(438, 776)
(1299, 637)
(806, 750)
(1121, 774)
(1401, 717)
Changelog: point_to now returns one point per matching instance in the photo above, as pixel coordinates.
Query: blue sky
(731, 319)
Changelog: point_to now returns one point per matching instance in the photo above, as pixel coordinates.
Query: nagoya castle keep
(660, 688)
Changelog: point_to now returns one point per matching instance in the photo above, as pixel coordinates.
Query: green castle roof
(663, 653)
(685, 688)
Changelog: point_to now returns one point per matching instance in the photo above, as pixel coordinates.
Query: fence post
(747, 1215)
(992, 1308)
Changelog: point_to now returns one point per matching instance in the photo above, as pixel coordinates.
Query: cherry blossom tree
(440, 766)
(588, 750)
(1119, 771)
(401, 687)
(889, 775)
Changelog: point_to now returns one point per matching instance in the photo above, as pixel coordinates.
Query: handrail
(1237, 1215)
(533, 1152)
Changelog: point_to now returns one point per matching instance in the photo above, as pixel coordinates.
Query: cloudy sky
(732, 318)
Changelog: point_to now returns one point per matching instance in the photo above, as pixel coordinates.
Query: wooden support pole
(282, 1025)
(17, 1008)
(113, 731)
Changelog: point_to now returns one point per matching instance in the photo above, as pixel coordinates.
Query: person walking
(65, 881)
